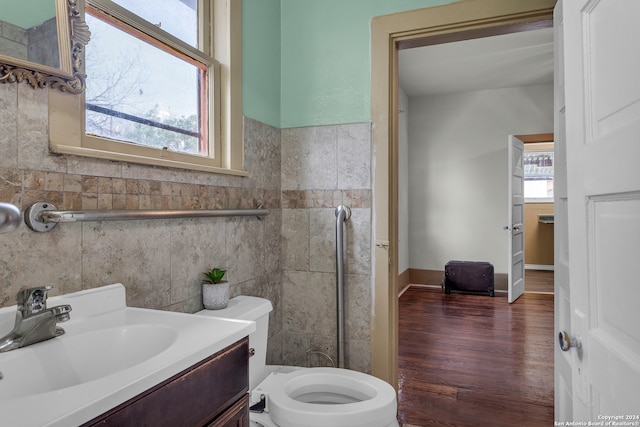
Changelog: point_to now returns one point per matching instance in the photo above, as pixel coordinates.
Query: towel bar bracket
(33, 217)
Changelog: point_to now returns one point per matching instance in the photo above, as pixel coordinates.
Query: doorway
(454, 22)
(539, 218)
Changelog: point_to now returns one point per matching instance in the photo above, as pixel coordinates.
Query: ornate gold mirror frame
(73, 36)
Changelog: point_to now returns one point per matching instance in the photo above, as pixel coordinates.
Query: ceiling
(509, 60)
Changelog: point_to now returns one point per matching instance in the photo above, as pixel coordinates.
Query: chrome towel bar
(44, 216)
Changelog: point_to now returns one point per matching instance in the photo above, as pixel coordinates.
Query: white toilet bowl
(321, 397)
(307, 397)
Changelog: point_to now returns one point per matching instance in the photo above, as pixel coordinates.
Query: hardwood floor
(469, 360)
(538, 281)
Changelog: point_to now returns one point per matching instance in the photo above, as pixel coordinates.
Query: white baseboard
(538, 267)
(413, 285)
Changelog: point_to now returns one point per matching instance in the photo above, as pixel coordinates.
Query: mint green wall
(27, 13)
(325, 59)
(261, 60)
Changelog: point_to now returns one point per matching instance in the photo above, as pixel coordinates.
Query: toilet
(307, 397)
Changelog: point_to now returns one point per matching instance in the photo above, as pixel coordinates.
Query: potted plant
(215, 291)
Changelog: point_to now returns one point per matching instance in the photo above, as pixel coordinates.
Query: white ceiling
(510, 60)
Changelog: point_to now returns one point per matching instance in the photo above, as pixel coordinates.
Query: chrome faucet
(34, 321)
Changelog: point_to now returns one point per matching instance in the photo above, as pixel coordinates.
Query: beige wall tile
(322, 240)
(34, 180)
(309, 158)
(275, 346)
(52, 258)
(73, 183)
(354, 156)
(118, 185)
(89, 185)
(71, 201)
(358, 234)
(134, 253)
(134, 171)
(11, 186)
(295, 347)
(310, 304)
(105, 185)
(93, 167)
(357, 306)
(9, 133)
(105, 201)
(246, 246)
(53, 181)
(358, 355)
(32, 131)
(272, 242)
(262, 159)
(197, 245)
(89, 201)
(295, 239)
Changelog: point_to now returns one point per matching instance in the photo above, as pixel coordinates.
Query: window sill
(539, 200)
(132, 158)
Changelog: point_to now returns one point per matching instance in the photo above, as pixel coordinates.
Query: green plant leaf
(215, 275)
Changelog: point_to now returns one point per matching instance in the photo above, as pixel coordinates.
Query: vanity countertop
(109, 354)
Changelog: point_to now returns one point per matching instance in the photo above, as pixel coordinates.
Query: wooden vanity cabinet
(212, 393)
(236, 416)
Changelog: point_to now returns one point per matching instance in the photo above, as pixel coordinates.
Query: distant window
(538, 176)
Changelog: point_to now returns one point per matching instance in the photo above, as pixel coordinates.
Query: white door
(516, 219)
(563, 369)
(597, 209)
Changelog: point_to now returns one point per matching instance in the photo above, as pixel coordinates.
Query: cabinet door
(236, 416)
(192, 398)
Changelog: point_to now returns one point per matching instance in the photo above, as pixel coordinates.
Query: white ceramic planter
(215, 297)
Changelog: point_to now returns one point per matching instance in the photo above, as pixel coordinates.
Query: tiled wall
(37, 44)
(43, 44)
(323, 167)
(160, 262)
(289, 257)
(14, 40)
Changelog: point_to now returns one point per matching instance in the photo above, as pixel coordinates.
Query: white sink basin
(109, 353)
(81, 358)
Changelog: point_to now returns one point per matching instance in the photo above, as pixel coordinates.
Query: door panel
(602, 95)
(614, 334)
(610, 101)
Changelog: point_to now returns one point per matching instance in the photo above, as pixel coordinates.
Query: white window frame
(222, 45)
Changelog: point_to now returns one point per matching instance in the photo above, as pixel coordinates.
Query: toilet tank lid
(242, 307)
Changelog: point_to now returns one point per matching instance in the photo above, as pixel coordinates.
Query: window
(538, 176)
(159, 96)
(156, 92)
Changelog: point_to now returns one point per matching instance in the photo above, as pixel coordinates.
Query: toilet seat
(320, 397)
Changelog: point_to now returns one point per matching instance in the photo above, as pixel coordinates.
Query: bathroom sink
(81, 358)
(109, 354)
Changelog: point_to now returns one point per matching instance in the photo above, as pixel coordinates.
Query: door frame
(389, 33)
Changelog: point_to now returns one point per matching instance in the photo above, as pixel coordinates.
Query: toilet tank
(256, 309)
